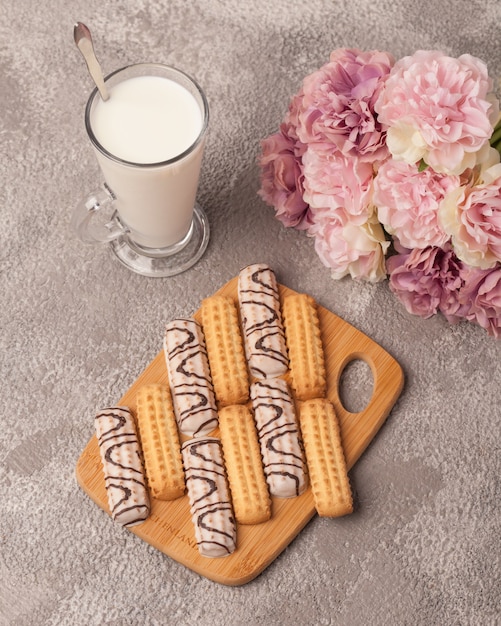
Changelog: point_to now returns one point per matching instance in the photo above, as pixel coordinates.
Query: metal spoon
(83, 40)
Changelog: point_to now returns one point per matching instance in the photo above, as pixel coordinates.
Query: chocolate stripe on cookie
(189, 375)
(264, 336)
(279, 436)
(209, 496)
(123, 470)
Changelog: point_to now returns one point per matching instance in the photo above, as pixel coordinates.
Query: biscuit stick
(189, 375)
(209, 496)
(302, 328)
(160, 442)
(325, 458)
(264, 337)
(225, 349)
(249, 491)
(121, 457)
(279, 437)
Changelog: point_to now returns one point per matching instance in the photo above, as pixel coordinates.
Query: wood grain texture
(169, 527)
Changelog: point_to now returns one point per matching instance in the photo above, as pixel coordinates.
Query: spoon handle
(83, 40)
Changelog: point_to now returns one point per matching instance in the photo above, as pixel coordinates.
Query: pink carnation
(439, 109)
(408, 200)
(482, 295)
(338, 103)
(350, 249)
(281, 178)
(427, 281)
(291, 121)
(333, 182)
(472, 216)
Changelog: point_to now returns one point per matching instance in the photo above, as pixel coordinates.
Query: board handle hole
(356, 385)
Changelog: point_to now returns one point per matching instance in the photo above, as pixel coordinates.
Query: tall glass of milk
(148, 138)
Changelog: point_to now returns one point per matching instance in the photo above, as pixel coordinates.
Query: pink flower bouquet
(393, 168)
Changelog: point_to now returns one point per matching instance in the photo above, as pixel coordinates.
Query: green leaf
(422, 165)
(496, 135)
(497, 145)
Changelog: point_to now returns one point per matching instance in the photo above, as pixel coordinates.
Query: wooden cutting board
(169, 527)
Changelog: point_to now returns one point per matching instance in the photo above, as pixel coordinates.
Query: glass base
(162, 262)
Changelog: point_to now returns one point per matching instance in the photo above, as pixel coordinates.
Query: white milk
(146, 121)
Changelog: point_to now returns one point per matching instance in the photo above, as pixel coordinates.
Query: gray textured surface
(423, 546)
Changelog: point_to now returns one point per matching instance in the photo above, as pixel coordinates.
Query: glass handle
(95, 220)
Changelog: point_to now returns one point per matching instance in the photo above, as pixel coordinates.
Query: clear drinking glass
(147, 211)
